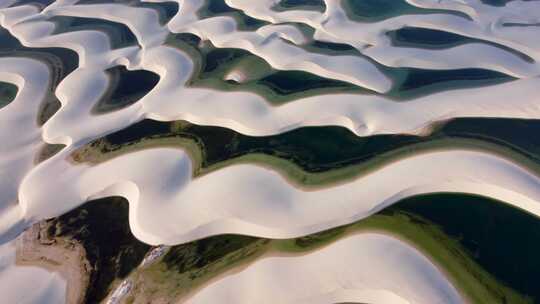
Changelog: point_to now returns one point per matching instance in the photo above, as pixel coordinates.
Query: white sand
(27, 284)
(251, 114)
(363, 268)
(168, 207)
(17, 153)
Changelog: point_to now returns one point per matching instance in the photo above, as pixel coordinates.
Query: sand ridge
(167, 206)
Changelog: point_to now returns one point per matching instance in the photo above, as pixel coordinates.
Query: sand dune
(249, 113)
(167, 206)
(363, 268)
(27, 284)
(17, 153)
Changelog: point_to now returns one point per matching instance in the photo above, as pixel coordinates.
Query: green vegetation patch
(315, 156)
(214, 65)
(438, 225)
(485, 247)
(102, 228)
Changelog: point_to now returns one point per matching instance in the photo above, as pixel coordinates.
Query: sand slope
(363, 268)
(168, 206)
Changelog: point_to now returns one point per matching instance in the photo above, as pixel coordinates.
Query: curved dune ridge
(362, 268)
(169, 206)
(248, 199)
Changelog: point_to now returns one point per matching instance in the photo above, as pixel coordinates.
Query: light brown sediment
(65, 257)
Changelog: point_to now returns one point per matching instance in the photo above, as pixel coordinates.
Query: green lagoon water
(61, 62)
(8, 92)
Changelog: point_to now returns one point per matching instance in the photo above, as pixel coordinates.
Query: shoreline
(271, 251)
(292, 172)
(57, 255)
